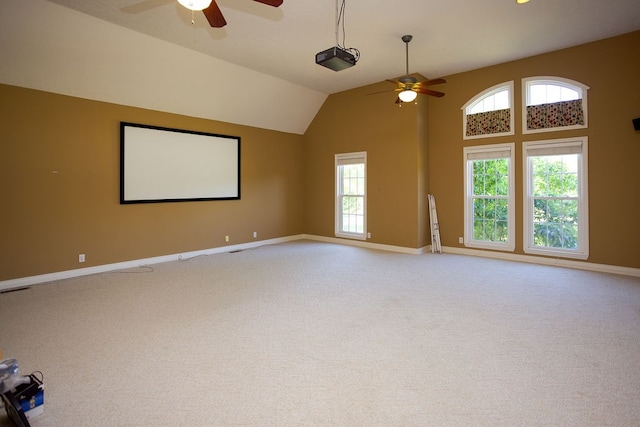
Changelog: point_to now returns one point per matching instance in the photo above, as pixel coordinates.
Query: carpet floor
(309, 333)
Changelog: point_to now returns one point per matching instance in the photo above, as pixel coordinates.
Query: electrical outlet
(460, 239)
(226, 238)
(368, 235)
(81, 258)
(255, 234)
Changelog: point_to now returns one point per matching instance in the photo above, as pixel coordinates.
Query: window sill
(557, 253)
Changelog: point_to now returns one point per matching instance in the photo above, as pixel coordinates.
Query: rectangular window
(489, 200)
(555, 202)
(351, 192)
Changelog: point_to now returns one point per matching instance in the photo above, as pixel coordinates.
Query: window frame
(582, 251)
(509, 86)
(582, 89)
(343, 159)
(486, 150)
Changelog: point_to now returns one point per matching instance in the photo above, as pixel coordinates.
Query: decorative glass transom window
(490, 113)
(553, 103)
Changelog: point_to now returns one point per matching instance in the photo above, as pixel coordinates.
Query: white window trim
(557, 81)
(358, 157)
(582, 252)
(485, 93)
(510, 244)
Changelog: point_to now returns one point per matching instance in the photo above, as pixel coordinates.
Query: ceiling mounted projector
(335, 58)
(338, 57)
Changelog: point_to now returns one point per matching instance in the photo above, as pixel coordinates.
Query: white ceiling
(450, 36)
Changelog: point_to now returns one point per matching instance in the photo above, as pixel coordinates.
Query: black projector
(335, 58)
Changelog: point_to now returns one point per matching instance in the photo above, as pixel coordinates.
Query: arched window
(490, 113)
(553, 103)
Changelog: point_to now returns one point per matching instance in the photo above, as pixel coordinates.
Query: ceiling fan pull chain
(193, 21)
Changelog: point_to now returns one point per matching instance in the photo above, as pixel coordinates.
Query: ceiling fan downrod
(406, 39)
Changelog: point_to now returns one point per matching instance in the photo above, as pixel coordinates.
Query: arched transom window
(553, 103)
(490, 113)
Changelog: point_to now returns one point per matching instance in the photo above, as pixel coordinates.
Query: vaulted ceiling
(264, 58)
(450, 36)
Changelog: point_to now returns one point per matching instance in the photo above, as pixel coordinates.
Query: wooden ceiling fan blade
(431, 82)
(214, 16)
(384, 91)
(429, 92)
(274, 3)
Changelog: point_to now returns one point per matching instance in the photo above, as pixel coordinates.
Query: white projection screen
(171, 165)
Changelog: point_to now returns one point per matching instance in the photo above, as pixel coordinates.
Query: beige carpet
(308, 333)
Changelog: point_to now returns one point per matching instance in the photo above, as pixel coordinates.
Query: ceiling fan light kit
(195, 4)
(407, 95)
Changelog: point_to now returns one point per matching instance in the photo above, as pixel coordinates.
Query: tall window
(555, 204)
(351, 193)
(490, 113)
(489, 200)
(553, 103)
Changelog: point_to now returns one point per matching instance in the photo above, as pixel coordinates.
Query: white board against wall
(169, 165)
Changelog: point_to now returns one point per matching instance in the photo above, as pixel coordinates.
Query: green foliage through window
(555, 201)
(352, 195)
(490, 200)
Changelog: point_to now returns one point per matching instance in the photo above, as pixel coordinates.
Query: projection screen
(160, 164)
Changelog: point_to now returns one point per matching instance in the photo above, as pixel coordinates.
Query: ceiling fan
(212, 11)
(408, 87)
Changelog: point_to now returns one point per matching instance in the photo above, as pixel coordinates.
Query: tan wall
(395, 137)
(48, 218)
(352, 121)
(611, 69)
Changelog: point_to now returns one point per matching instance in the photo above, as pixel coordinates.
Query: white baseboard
(50, 277)
(364, 244)
(23, 282)
(580, 265)
(558, 262)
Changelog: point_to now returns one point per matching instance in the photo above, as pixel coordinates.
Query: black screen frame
(141, 183)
